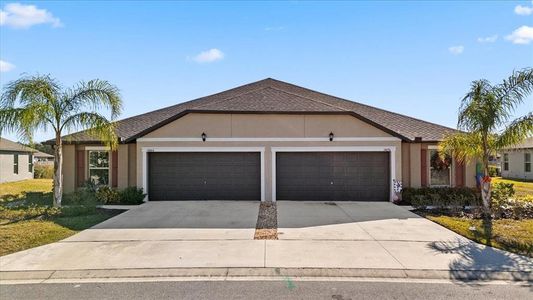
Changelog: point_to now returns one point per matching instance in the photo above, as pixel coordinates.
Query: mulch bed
(267, 222)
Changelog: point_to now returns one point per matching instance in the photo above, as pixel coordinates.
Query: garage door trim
(146, 150)
(390, 149)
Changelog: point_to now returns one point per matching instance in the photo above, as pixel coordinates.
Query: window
(506, 161)
(99, 167)
(439, 169)
(15, 163)
(30, 163)
(527, 162)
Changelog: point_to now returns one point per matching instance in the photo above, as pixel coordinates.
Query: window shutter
(80, 167)
(423, 167)
(114, 168)
(459, 174)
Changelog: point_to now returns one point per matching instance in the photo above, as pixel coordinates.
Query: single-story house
(517, 161)
(43, 157)
(267, 140)
(16, 161)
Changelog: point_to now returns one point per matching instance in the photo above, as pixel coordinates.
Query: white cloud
(208, 56)
(522, 35)
(5, 66)
(275, 28)
(456, 50)
(18, 15)
(524, 10)
(488, 39)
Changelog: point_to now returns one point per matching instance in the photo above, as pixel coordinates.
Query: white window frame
(450, 173)
(390, 149)
(527, 162)
(146, 150)
(108, 168)
(505, 161)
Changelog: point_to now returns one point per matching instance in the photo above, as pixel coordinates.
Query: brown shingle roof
(7, 145)
(274, 96)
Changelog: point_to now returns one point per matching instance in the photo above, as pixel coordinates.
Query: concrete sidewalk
(345, 239)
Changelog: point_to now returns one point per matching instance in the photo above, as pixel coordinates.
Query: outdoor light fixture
(204, 136)
(331, 135)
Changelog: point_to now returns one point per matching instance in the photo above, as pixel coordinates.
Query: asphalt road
(264, 290)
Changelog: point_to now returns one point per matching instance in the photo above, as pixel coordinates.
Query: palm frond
(516, 88)
(96, 125)
(464, 146)
(30, 89)
(95, 95)
(516, 132)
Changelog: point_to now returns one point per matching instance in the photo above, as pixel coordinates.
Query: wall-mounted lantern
(204, 136)
(331, 135)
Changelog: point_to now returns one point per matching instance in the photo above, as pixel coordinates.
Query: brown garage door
(204, 176)
(332, 176)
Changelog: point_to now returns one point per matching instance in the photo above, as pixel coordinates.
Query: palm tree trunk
(58, 171)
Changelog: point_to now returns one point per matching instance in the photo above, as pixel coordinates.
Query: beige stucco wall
(69, 168)
(516, 165)
(7, 166)
(266, 125)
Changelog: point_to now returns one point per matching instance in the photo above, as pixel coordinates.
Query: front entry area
(204, 176)
(333, 176)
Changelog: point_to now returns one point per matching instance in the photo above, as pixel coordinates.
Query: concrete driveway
(178, 220)
(219, 234)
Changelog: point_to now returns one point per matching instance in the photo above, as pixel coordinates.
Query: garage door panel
(332, 176)
(204, 176)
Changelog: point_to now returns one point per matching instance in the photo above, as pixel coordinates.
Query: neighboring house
(16, 161)
(268, 140)
(517, 161)
(43, 158)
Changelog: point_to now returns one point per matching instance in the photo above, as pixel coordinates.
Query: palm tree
(486, 119)
(39, 103)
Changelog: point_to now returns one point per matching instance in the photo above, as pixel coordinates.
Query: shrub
(501, 192)
(107, 195)
(82, 196)
(132, 195)
(43, 171)
(442, 197)
(494, 171)
(513, 209)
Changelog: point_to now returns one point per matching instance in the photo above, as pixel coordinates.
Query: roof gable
(273, 96)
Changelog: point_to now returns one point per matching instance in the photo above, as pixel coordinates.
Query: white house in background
(16, 161)
(517, 161)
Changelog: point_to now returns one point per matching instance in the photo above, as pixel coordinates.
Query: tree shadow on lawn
(480, 262)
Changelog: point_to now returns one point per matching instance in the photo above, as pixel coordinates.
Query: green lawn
(511, 235)
(27, 234)
(522, 188)
(36, 223)
(10, 190)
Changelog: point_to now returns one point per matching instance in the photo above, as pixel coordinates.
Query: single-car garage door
(333, 176)
(204, 176)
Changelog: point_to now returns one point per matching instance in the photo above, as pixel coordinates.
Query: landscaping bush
(132, 195)
(494, 171)
(443, 197)
(107, 195)
(82, 196)
(43, 171)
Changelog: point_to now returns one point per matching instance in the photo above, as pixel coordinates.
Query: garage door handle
(331, 183)
(205, 182)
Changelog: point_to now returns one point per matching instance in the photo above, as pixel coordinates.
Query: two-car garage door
(322, 176)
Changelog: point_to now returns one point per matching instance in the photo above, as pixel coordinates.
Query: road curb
(266, 273)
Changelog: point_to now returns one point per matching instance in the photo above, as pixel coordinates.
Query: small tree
(39, 103)
(486, 117)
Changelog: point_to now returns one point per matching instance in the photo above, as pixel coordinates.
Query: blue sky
(415, 58)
